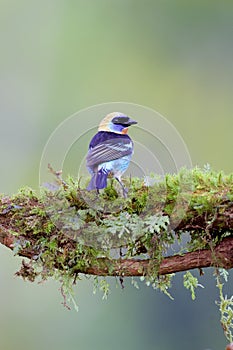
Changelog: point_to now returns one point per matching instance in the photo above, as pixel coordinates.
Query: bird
(110, 151)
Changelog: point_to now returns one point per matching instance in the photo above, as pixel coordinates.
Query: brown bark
(221, 256)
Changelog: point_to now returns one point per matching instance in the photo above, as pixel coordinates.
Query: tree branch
(221, 255)
(26, 227)
(35, 227)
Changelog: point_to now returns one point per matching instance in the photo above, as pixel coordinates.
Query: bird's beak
(131, 122)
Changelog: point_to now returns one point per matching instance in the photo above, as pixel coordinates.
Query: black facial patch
(122, 120)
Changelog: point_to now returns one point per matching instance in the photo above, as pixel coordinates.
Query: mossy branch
(42, 227)
(178, 223)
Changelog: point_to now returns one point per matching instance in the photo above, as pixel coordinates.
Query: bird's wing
(109, 150)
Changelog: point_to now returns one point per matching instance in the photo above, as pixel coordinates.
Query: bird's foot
(125, 192)
(124, 189)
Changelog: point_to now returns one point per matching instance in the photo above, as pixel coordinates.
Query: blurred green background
(58, 57)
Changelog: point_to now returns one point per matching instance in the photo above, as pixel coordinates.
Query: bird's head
(116, 122)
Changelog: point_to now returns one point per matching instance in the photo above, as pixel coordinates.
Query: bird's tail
(98, 180)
